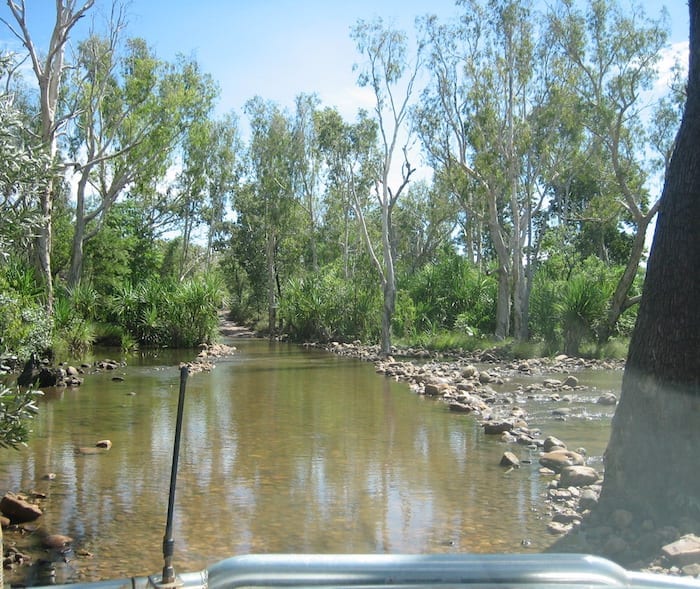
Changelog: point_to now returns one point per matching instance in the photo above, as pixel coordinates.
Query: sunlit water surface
(283, 450)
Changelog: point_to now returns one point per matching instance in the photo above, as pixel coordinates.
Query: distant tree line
(131, 214)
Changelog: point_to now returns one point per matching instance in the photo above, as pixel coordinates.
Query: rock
(509, 459)
(567, 517)
(18, 510)
(458, 407)
(692, 570)
(107, 444)
(557, 528)
(684, 551)
(588, 499)
(571, 381)
(497, 427)
(4, 521)
(621, 518)
(469, 371)
(561, 358)
(551, 383)
(56, 541)
(485, 378)
(578, 476)
(561, 411)
(615, 545)
(552, 443)
(558, 459)
(607, 399)
(435, 389)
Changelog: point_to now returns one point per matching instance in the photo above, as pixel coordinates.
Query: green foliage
(17, 407)
(452, 293)
(566, 311)
(168, 313)
(74, 311)
(325, 306)
(25, 329)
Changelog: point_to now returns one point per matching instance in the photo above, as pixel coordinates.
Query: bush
(566, 313)
(453, 294)
(161, 313)
(16, 409)
(324, 306)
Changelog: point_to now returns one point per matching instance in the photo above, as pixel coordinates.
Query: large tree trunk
(652, 458)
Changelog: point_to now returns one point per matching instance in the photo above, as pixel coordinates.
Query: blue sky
(277, 48)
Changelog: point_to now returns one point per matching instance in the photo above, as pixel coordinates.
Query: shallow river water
(283, 450)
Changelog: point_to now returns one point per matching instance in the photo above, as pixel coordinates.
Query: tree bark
(651, 461)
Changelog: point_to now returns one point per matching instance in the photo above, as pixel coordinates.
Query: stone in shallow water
(558, 459)
(578, 476)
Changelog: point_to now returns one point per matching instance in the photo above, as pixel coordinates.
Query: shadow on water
(283, 450)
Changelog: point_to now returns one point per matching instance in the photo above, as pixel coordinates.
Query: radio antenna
(168, 577)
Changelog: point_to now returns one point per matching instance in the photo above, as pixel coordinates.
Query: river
(284, 449)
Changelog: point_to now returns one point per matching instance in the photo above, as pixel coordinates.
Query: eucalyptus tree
(49, 68)
(391, 77)
(425, 221)
(132, 110)
(478, 122)
(268, 215)
(616, 58)
(307, 170)
(207, 181)
(349, 151)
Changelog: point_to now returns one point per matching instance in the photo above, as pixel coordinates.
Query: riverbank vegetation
(501, 188)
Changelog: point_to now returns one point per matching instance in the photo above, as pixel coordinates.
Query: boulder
(459, 407)
(552, 443)
(435, 389)
(18, 510)
(571, 381)
(469, 371)
(578, 476)
(497, 427)
(558, 459)
(684, 551)
(558, 528)
(588, 499)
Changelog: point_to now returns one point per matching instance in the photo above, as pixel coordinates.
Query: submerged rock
(18, 510)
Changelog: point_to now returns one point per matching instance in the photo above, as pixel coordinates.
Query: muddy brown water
(283, 450)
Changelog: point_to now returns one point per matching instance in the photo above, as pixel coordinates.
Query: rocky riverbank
(471, 384)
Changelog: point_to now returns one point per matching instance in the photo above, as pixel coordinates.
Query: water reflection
(283, 450)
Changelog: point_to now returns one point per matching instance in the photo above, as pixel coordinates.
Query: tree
(48, 68)
(267, 213)
(132, 111)
(615, 56)
(481, 122)
(651, 461)
(350, 154)
(385, 50)
(23, 167)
